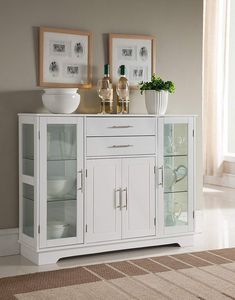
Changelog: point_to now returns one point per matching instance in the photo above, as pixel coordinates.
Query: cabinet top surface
(102, 115)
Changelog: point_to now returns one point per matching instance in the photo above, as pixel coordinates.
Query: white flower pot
(61, 101)
(156, 101)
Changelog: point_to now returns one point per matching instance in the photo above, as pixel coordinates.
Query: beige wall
(176, 24)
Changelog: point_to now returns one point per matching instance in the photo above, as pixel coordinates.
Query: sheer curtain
(214, 74)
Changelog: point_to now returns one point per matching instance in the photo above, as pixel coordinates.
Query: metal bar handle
(121, 126)
(161, 176)
(81, 180)
(120, 146)
(118, 198)
(126, 198)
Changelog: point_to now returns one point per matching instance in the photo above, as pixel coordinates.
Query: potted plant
(156, 94)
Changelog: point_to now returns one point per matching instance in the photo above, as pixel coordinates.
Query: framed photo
(64, 58)
(136, 52)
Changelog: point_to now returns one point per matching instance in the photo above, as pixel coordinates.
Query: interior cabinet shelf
(175, 192)
(49, 200)
(175, 155)
(61, 159)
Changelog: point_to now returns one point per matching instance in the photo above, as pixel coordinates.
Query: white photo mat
(64, 58)
(136, 54)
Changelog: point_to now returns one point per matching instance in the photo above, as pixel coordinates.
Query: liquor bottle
(123, 92)
(105, 92)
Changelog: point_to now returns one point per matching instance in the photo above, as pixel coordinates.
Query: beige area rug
(197, 275)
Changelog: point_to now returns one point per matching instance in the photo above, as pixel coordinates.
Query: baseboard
(9, 241)
(199, 221)
(227, 180)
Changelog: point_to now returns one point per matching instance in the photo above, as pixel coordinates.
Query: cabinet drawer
(104, 146)
(120, 126)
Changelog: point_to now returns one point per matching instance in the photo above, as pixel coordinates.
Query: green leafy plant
(157, 84)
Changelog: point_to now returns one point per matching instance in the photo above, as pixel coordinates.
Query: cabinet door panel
(28, 180)
(102, 200)
(138, 197)
(61, 194)
(176, 160)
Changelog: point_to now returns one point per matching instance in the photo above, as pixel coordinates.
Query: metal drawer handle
(120, 146)
(121, 126)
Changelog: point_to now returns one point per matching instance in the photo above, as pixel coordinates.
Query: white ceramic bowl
(57, 229)
(59, 186)
(61, 101)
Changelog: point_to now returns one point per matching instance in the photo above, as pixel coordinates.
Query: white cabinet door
(61, 181)
(176, 174)
(103, 188)
(138, 197)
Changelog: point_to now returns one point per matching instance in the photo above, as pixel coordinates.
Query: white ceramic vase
(61, 100)
(156, 101)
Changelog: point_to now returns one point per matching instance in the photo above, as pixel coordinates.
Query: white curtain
(214, 75)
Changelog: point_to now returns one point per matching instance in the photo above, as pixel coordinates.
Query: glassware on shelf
(176, 209)
(105, 92)
(123, 93)
(59, 186)
(175, 139)
(172, 176)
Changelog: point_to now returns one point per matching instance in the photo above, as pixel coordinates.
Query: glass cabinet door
(177, 176)
(61, 195)
(27, 179)
(61, 181)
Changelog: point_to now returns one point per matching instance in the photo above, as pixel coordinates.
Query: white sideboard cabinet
(96, 183)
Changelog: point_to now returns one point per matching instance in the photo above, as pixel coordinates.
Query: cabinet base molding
(9, 244)
(47, 256)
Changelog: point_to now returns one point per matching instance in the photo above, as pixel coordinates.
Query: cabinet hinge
(39, 135)
(86, 228)
(86, 172)
(193, 214)
(38, 229)
(154, 169)
(193, 132)
(155, 221)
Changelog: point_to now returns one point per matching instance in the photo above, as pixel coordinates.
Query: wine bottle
(105, 91)
(123, 92)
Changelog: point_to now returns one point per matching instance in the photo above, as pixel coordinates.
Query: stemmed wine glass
(104, 89)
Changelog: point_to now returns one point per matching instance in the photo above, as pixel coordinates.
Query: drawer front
(120, 126)
(111, 146)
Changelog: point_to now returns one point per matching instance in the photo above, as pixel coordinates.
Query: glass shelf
(28, 158)
(175, 155)
(61, 159)
(27, 198)
(50, 200)
(174, 192)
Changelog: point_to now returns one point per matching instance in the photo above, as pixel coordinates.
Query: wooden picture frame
(64, 58)
(133, 52)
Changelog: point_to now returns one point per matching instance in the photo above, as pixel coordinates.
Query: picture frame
(64, 58)
(136, 52)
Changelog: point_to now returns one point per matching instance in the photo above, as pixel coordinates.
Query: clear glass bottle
(105, 92)
(123, 92)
